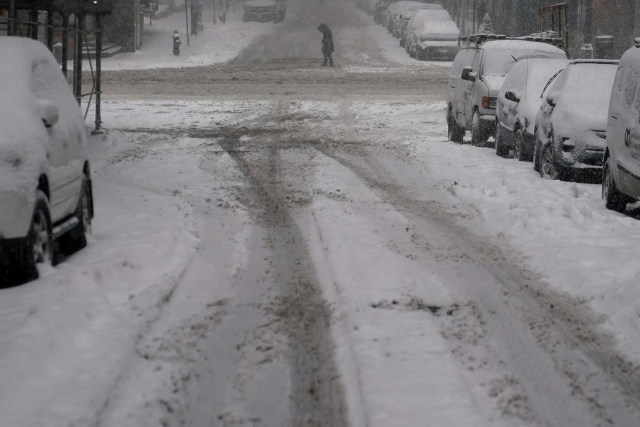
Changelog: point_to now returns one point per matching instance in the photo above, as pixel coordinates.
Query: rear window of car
(500, 61)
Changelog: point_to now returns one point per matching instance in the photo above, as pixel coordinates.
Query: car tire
(536, 152)
(501, 150)
(614, 199)
(39, 244)
(478, 135)
(76, 238)
(454, 132)
(520, 152)
(548, 165)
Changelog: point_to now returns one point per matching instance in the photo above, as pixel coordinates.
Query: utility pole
(186, 17)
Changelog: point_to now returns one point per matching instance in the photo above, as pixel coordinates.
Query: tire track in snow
(317, 396)
(559, 329)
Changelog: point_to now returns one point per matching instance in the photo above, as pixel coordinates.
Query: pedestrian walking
(327, 44)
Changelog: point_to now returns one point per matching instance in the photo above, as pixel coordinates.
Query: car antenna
(514, 58)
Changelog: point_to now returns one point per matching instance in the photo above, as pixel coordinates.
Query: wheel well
(517, 127)
(86, 169)
(43, 185)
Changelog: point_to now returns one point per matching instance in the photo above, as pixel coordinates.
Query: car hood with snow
(434, 25)
(581, 107)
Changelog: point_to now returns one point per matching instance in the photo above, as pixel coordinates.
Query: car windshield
(598, 78)
(500, 61)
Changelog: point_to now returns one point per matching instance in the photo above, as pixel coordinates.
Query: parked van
(476, 77)
(621, 169)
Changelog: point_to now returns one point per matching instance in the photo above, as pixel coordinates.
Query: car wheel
(455, 132)
(501, 150)
(478, 136)
(536, 152)
(520, 152)
(39, 248)
(76, 238)
(548, 165)
(614, 199)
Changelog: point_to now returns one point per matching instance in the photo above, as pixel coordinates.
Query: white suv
(476, 77)
(45, 184)
(621, 169)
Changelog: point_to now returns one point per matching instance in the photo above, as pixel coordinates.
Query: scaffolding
(61, 25)
(553, 19)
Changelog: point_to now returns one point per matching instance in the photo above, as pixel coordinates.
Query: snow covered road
(281, 245)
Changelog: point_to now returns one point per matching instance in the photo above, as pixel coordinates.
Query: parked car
(404, 15)
(570, 128)
(431, 34)
(260, 11)
(621, 170)
(476, 77)
(403, 11)
(380, 9)
(518, 104)
(45, 182)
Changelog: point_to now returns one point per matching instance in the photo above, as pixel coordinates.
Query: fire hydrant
(176, 43)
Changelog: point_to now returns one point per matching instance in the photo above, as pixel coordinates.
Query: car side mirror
(511, 96)
(48, 112)
(468, 74)
(551, 101)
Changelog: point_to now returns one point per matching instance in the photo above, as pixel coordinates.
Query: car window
(45, 79)
(477, 57)
(549, 82)
(634, 83)
(500, 61)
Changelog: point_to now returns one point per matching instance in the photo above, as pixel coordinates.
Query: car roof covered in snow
(630, 57)
(24, 53)
(403, 7)
(430, 15)
(520, 45)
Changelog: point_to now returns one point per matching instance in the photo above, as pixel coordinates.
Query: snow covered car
(259, 10)
(518, 104)
(404, 10)
(476, 77)
(621, 169)
(431, 34)
(570, 129)
(45, 182)
(404, 16)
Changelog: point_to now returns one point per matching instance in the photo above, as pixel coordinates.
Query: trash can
(604, 47)
(586, 51)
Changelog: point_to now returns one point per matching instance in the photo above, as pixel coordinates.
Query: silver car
(621, 170)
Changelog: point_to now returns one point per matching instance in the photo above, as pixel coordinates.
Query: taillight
(488, 102)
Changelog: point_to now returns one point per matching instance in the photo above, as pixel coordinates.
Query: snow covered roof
(522, 45)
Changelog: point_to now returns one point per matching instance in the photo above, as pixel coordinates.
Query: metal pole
(473, 22)
(636, 26)
(65, 44)
(77, 60)
(50, 29)
(99, 31)
(12, 18)
(186, 17)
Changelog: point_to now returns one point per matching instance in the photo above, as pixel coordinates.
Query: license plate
(443, 50)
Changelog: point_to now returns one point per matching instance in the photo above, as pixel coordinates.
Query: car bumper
(582, 159)
(259, 16)
(13, 253)
(442, 53)
(15, 215)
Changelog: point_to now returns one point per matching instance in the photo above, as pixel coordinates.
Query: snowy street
(281, 244)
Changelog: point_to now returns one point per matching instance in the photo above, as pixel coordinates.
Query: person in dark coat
(327, 44)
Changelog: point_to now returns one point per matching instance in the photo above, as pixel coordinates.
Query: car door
(628, 140)
(469, 86)
(64, 144)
